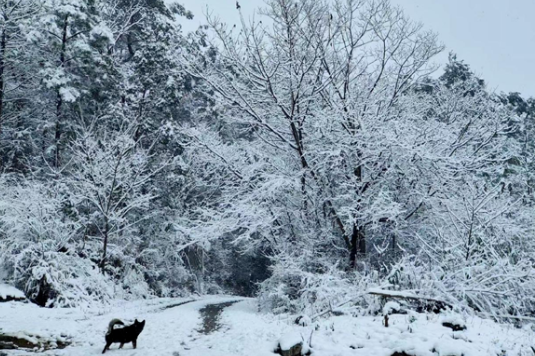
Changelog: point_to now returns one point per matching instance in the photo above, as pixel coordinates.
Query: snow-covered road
(173, 327)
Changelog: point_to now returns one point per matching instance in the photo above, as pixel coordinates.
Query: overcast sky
(495, 37)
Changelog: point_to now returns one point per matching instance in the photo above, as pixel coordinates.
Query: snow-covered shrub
(164, 271)
(496, 288)
(57, 279)
(134, 283)
(291, 289)
(40, 248)
(281, 293)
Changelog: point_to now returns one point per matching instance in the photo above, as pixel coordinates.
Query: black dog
(123, 335)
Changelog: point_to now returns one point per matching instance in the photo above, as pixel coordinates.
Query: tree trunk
(304, 191)
(358, 246)
(3, 45)
(105, 247)
(129, 46)
(361, 243)
(59, 100)
(358, 239)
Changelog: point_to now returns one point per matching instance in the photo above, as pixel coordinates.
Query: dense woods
(303, 157)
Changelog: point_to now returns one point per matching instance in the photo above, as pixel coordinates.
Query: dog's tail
(112, 324)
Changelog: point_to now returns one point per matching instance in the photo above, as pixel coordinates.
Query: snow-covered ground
(177, 331)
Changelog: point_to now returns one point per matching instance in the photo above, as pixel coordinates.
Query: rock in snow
(290, 344)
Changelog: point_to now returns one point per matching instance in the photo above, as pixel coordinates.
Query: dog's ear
(143, 323)
(136, 322)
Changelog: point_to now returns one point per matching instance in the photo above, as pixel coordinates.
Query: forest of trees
(303, 158)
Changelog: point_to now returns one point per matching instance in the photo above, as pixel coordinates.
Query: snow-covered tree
(17, 81)
(337, 151)
(71, 38)
(111, 176)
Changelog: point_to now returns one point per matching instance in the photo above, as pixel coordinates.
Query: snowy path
(211, 317)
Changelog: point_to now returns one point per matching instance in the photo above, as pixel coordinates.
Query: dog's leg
(134, 343)
(122, 344)
(107, 347)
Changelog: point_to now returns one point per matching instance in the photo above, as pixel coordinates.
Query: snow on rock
(303, 320)
(391, 307)
(8, 293)
(453, 321)
(289, 340)
(21, 340)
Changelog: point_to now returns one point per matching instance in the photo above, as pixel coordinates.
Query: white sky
(495, 37)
